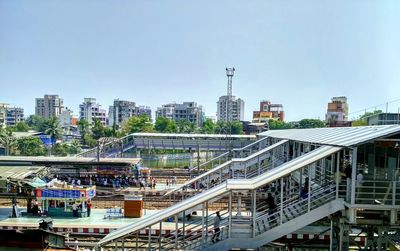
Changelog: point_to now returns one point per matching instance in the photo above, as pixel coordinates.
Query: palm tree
(7, 141)
(53, 130)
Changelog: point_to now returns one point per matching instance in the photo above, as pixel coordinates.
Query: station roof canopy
(19, 172)
(68, 160)
(336, 136)
(189, 135)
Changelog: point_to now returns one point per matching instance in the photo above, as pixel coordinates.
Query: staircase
(248, 166)
(246, 221)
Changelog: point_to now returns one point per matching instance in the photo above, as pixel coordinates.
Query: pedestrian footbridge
(302, 170)
(169, 141)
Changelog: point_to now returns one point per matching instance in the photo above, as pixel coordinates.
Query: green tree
(311, 123)
(232, 127)
(37, 123)
(61, 149)
(236, 127)
(184, 126)
(98, 130)
(359, 122)
(74, 147)
(21, 127)
(134, 124)
(111, 131)
(31, 146)
(165, 125)
(221, 127)
(368, 114)
(53, 130)
(89, 140)
(277, 125)
(83, 127)
(208, 126)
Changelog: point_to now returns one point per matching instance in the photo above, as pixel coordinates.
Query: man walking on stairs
(217, 221)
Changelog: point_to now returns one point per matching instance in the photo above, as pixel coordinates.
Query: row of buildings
(121, 110)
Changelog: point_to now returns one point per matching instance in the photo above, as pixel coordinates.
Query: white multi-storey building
(66, 118)
(236, 112)
(49, 106)
(120, 111)
(3, 114)
(189, 111)
(10, 116)
(89, 110)
(14, 115)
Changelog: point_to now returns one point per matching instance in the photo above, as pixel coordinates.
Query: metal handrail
(228, 163)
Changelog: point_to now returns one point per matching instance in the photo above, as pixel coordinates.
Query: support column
(203, 224)
(176, 232)
(337, 173)
(160, 236)
(183, 225)
(206, 221)
(353, 175)
(281, 211)
(230, 215)
(254, 206)
(331, 239)
(137, 241)
(198, 159)
(341, 232)
(149, 240)
(379, 244)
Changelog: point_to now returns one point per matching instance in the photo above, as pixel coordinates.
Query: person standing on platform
(89, 207)
(217, 231)
(74, 210)
(272, 207)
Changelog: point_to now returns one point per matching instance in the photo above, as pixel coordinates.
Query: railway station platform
(96, 224)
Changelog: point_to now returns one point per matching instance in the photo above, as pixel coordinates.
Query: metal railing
(245, 168)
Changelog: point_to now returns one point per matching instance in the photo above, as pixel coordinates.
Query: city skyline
(155, 53)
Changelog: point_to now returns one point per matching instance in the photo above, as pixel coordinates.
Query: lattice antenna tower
(229, 73)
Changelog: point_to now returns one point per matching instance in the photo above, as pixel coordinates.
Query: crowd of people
(120, 181)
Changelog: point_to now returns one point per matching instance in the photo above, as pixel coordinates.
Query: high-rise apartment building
(337, 112)
(120, 111)
(144, 110)
(189, 111)
(236, 108)
(49, 106)
(89, 110)
(268, 111)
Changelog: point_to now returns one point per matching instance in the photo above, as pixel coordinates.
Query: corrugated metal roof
(18, 172)
(43, 159)
(337, 136)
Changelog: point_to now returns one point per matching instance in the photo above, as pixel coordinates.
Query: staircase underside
(281, 230)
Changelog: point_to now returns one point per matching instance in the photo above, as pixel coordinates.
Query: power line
(375, 106)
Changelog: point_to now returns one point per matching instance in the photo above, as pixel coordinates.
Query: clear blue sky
(298, 53)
